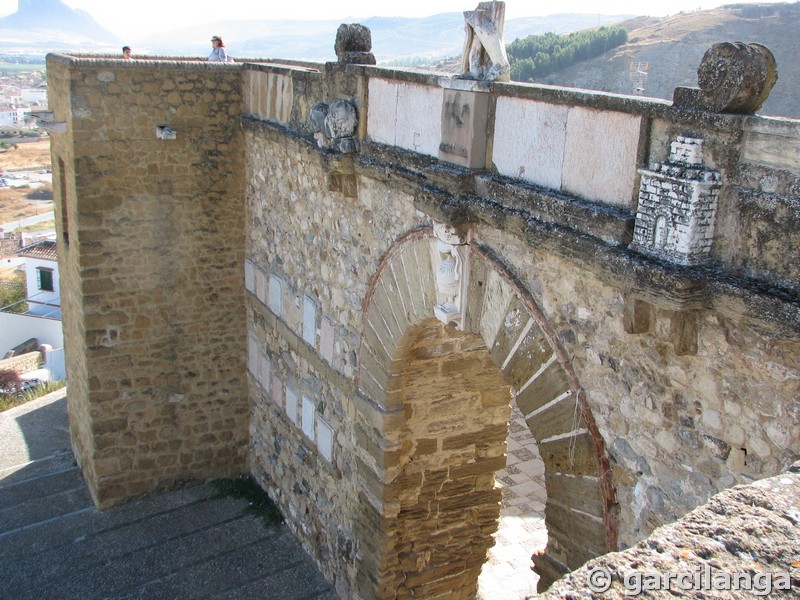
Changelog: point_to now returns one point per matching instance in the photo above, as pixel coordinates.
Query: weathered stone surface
(353, 44)
(405, 115)
(733, 78)
(747, 530)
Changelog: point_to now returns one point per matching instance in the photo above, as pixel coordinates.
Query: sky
(135, 18)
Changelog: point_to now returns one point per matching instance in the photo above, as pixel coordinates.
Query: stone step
(43, 509)
(114, 576)
(125, 538)
(35, 468)
(69, 528)
(279, 576)
(20, 490)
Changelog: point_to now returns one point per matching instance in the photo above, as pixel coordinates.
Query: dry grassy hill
(673, 47)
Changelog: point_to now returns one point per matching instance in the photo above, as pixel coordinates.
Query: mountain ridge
(53, 22)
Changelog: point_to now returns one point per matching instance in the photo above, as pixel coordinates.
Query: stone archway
(411, 284)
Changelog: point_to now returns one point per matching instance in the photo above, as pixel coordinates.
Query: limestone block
(464, 120)
(529, 141)
(291, 405)
(600, 155)
(325, 439)
(405, 115)
(772, 144)
(498, 295)
(353, 44)
(277, 97)
(310, 321)
(308, 417)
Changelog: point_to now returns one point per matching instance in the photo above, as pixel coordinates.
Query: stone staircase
(203, 541)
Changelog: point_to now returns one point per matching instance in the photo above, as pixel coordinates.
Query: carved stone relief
(678, 206)
(450, 257)
(334, 126)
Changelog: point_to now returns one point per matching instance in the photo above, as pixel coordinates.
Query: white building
(42, 320)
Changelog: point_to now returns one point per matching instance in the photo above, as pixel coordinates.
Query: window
(45, 278)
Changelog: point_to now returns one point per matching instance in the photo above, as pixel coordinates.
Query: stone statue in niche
(354, 44)
(485, 57)
(335, 126)
(733, 78)
(449, 276)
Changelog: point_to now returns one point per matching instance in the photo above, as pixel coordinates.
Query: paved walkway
(199, 542)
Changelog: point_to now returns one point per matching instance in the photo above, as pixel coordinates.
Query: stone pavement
(507, 574)
(198, 542)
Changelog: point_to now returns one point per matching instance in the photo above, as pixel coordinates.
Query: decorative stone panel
(678, 206)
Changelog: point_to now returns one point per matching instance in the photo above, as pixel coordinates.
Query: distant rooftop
(43, 249)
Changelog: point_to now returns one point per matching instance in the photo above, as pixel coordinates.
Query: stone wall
(669, 361)
(741, 544)
(649, 385)
(24, 363)
(151, 247)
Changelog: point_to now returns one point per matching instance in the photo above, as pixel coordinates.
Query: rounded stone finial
(736, 77)
(354, 44)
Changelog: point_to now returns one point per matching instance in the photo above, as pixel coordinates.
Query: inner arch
(521, 345)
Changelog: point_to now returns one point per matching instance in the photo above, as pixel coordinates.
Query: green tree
(12, 294)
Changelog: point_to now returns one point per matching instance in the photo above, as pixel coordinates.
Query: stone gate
(346, 310)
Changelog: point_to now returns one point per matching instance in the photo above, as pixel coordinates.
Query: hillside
(673, 47)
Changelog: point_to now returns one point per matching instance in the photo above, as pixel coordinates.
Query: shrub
(10, 383)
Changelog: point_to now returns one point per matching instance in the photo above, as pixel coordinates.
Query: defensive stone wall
(461, 246)
(150, 249)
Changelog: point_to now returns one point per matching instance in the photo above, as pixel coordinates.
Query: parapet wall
(656, 365)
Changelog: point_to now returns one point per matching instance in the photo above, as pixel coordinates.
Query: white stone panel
(249, 276)
(405, 115)
(252, 355)
(382, 111)
(310, 321)
(264, 373)
(529, 140)
(307, 421)
(325, 439)
(261, 286)
(291, 405)
(600, 156)
(326, 339)
(276, 295)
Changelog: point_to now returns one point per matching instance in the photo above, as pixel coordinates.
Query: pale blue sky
(132, 17)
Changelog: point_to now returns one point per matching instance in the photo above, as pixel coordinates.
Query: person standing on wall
(218, 54)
